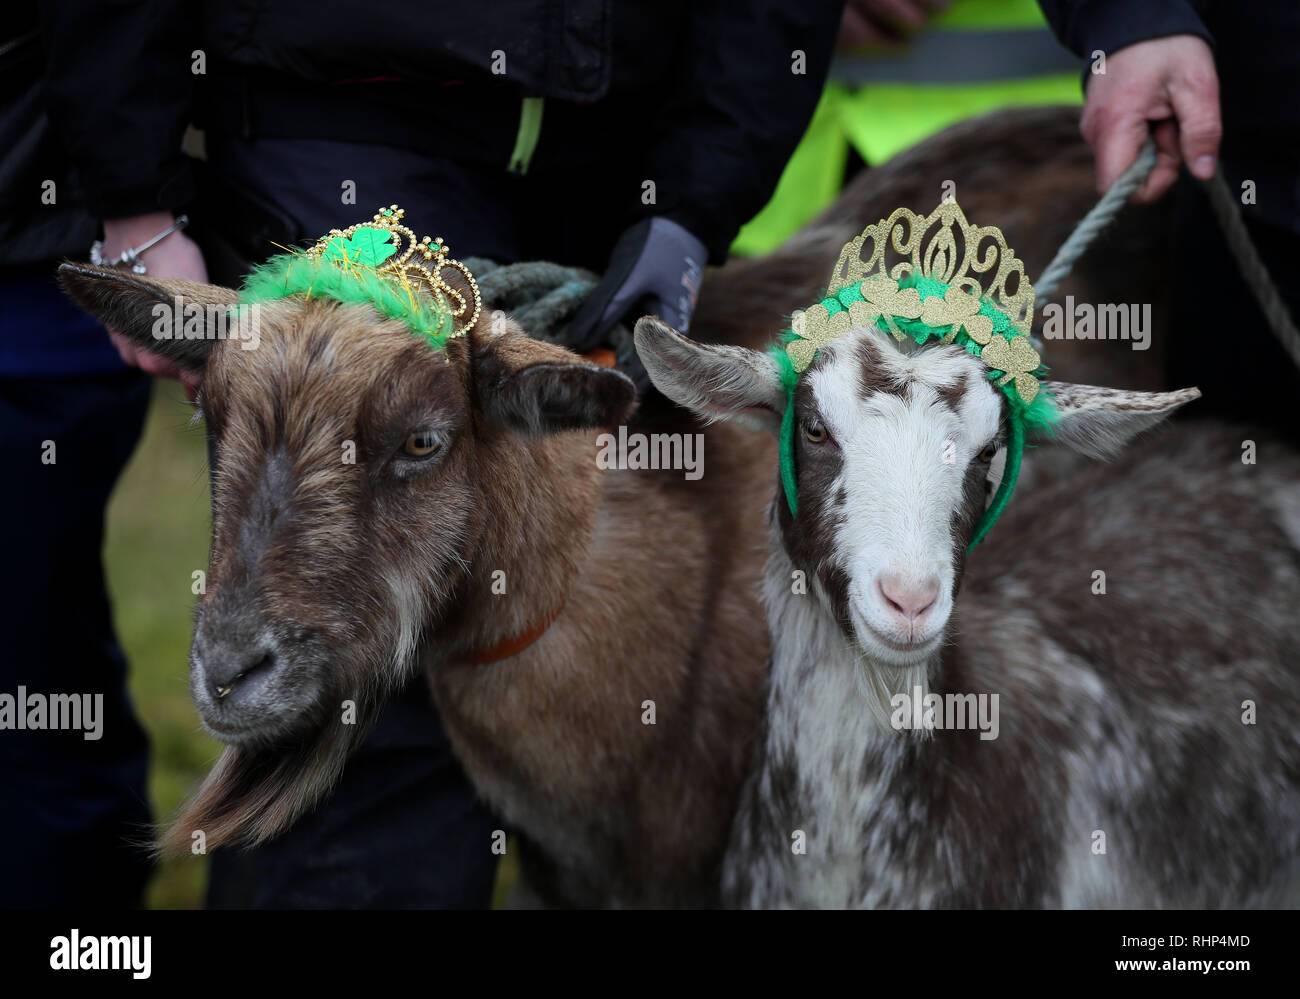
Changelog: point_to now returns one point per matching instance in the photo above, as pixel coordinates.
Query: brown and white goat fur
(1127, 768)
(339, 580)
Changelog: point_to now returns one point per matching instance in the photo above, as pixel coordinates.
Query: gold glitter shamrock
(881, 297)
(957, 308)
(883, 292)
(815, 327)
(1017, 360)
(863, 314)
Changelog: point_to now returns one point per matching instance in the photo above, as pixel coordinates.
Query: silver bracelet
(131, 255)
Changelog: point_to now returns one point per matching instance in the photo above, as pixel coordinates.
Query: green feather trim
(290, 274)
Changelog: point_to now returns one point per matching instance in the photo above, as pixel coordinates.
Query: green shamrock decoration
(366, 246)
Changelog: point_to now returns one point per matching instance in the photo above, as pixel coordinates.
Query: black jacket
(700, 91)
(42, 213)
(1257, 55)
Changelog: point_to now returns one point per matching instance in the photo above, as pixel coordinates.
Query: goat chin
(255, 792)
(880, 684)
(270, 775)
(279, 732)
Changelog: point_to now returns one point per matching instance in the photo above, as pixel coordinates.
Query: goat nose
(231, 671)
(908, 596)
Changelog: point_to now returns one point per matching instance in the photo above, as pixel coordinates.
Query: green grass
(158, 523)
(156, 535)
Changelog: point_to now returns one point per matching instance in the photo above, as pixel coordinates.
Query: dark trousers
(404, 828)
(1219, 340)
(70, 808)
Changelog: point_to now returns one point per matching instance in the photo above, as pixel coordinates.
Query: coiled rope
(1224, 205)
(544, 298)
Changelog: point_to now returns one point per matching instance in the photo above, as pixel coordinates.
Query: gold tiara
(388, 248)
(932, 283)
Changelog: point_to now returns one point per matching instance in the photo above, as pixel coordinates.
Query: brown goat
(327, 577)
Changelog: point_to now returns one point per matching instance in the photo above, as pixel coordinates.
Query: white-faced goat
(1146, 751)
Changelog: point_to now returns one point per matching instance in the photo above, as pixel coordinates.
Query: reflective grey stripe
(962, 57)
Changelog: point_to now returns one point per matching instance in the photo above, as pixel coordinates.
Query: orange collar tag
(515, 644)
(602, 356)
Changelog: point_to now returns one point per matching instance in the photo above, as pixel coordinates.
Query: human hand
(175, 256)
(883, 22)
(1170, 83)
(656, 267)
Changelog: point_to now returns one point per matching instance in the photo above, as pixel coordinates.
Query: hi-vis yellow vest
(976, 56)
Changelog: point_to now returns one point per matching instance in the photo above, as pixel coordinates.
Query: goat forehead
(322, 367)
(866, 378)
(321, 335)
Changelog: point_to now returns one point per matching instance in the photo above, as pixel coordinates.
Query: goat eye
(815, 433)
(421, 444)
(987, 454)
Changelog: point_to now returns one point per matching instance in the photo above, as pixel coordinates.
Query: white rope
(1224, 205)
(1252, 267)
(1101, 215)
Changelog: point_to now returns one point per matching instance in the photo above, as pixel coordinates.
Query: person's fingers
(1166, 82)
(177, 256)
(126, 352)
(1195, 98)
(125, 349)
(900, 15)
(670, 312)
(859, 31)
(1165, 171)
(1116, 137)
(624, 299)
(155, 365)
(146, 361)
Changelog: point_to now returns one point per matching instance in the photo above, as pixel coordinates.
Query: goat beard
(254, 793)
(880, 683)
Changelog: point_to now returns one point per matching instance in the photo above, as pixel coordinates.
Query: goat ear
(134, 305)
(537, 388)
(1099, 421)
(716, 381)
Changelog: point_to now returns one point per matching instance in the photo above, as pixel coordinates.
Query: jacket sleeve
(739, 108)
(118, 87)
(1088, 26)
